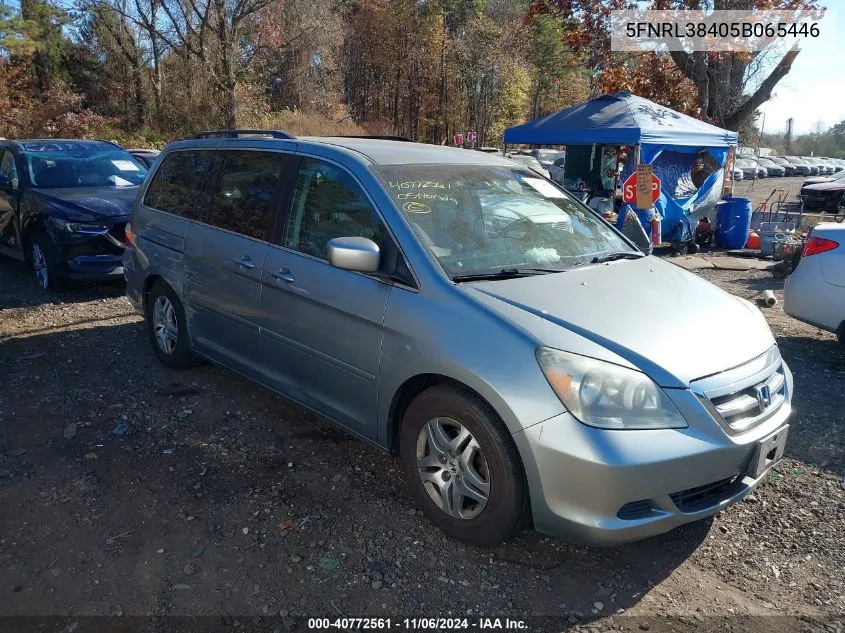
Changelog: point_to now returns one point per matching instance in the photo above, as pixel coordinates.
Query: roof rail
(379, 137)
(239, 133)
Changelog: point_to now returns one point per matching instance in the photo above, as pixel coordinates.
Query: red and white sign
(459, 139)
(471, 136)
(629, 189)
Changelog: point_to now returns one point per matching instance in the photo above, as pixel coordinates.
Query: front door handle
(283, 274)
(244, 262)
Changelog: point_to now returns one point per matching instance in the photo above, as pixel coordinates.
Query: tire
(168, 327)
(486, 457)
(41, 255)
(839, 210)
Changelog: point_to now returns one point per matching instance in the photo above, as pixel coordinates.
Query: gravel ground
(128, 488)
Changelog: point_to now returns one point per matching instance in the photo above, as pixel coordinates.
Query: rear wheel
(168, 327)
(461, 466)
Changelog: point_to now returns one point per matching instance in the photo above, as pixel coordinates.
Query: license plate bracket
(769, 452)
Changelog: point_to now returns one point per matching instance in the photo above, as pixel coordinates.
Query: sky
(814, 90)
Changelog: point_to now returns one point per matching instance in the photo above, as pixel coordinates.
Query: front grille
(635, 510)
(746, 408)
(741, 398)
(708, 495)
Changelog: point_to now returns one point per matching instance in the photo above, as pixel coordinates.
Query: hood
(815, 180)
(93, 202)
(837, 185)
(669, 323)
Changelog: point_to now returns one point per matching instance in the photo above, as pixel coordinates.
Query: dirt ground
(130, 489)
(759, 190)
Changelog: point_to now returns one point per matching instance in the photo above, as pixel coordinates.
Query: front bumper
(602, 487)
(90, 255)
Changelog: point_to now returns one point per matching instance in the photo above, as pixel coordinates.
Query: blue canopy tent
(625, 119)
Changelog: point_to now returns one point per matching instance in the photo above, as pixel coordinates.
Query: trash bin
(733, 221)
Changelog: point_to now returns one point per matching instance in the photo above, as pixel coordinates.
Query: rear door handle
(283, 274)
(244, 262)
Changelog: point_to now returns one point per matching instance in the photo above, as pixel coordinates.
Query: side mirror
(354, 253)
(6, 183)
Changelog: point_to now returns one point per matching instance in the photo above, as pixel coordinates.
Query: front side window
(183, 182)
(246, 191)
(484, 219)
(55, 166)
(8, 168)
(328, 203)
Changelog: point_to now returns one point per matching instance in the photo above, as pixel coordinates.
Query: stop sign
(629, 189)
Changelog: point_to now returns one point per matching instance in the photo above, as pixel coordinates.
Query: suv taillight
(816, 245)
(130, 236)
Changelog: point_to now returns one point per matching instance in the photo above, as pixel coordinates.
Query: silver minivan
(519, 354)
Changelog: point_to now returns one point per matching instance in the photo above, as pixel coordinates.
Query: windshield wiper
(610, 257)
(505, 273)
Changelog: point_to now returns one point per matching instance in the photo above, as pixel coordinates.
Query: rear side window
(247, 191)
(182, 184)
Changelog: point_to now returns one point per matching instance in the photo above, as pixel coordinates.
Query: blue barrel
(733, 221)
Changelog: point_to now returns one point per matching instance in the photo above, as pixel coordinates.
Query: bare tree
(731, 86)
(208, 31)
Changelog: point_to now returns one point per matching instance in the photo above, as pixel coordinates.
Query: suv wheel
(168, 327)
(42, 257)
(461, 466)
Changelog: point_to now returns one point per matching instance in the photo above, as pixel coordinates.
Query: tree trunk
(140, 105)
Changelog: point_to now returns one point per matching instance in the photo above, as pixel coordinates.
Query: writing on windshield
(477, 219)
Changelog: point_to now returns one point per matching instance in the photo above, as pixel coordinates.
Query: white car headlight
(607, 396)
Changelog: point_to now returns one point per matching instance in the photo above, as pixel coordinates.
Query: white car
(815, 291)
(530, 162)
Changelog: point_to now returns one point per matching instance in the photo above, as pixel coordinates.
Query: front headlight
(607, 396)
(81, 228)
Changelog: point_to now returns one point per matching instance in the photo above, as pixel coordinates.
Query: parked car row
(450, 306)
(825, 193)
(750, 167)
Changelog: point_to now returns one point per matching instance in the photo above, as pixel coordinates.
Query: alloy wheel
(39, 265)
(165, 326)
(453, 468)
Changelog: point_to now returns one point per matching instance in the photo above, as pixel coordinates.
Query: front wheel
(840, 210)
(42, 258)
(462, 467)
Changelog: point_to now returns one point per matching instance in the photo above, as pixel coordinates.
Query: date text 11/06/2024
(415, 624)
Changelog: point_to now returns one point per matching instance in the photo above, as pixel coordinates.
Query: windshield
(83, 166)
(486, 219)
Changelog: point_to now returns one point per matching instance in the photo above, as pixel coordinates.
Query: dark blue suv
(64, 205)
